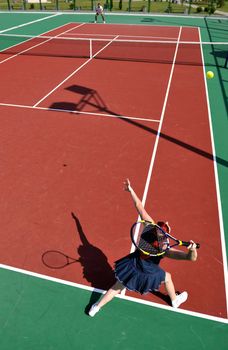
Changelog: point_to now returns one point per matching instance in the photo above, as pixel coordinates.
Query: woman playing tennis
(99, 11)
(140, 273)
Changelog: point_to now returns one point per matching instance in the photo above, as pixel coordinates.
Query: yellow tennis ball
(210, 75)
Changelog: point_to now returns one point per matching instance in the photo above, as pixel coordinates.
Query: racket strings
(147, 247)
(163, 240)
(153, 240)
(150, 241)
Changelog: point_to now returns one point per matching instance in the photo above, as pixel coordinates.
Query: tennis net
(151, 51)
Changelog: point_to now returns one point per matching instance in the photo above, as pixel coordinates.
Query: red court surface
(58, 163)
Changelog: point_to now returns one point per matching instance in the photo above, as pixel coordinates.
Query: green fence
(164, 6)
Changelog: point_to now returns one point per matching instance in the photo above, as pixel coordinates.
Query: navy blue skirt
(138, 274)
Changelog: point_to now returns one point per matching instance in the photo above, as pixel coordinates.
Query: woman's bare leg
(176, 300)
(169, 286)
(110, 294)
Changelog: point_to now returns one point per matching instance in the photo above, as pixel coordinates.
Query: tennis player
(99, 11)
(140, 273)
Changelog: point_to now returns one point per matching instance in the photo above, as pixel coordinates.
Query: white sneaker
(181, 298)
(104, 22)
(95, 21)
(94, 309)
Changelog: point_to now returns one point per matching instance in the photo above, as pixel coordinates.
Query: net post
(90, 48)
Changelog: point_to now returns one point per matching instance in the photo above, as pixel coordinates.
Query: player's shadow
(162, 296)
(96, 269)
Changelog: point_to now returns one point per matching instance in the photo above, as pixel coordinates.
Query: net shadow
(90, 97)
(180, 143)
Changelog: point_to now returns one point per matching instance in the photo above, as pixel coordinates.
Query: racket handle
(186, 244)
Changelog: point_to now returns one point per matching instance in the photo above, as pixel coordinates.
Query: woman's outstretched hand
(127, 185)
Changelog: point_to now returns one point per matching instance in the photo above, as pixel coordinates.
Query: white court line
(28, 23)
(120, 296)
(28, 36)
(32, 47)
(74, 72)
(222, 231)
(144, 199)
(79, 112)
(136, 300)
(131, 14)
(159, 131)
(154, 151)
(74, 38)
(126, 36)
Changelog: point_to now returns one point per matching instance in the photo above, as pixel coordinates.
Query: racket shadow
(96, 269)
(55, 259)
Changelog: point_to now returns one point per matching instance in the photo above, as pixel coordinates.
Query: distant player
(99, 11)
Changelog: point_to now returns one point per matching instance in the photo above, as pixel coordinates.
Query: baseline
(136, 300)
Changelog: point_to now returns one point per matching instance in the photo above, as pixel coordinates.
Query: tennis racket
(55, 259)
(152, 240)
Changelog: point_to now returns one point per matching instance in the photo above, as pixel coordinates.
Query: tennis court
(84, 106)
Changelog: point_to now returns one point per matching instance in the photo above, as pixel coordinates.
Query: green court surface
(40, 314)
